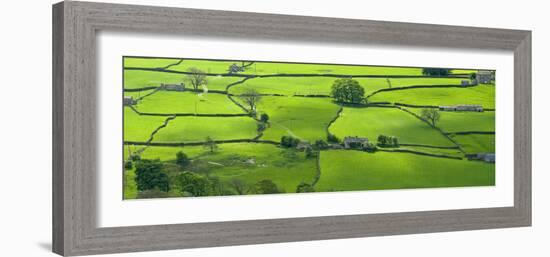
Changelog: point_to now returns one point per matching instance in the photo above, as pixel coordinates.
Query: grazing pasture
(476, 143)
(354, 170)
(463, 121)
(483, 95)
(196, 129)
(167, 102)
(156, 63)
(370, 122)
(139, 127)
(292, 116)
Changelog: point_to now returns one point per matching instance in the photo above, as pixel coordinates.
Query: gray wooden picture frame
(75, 25)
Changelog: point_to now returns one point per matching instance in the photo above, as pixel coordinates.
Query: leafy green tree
(128, 165)
(264, 117)
(193, 184)
(431, 115)
(435, 72)
(266, 186)
(182, 160)
(210, 144)
(347, 91)
(304, 188)
(370, 147)
(149, 175)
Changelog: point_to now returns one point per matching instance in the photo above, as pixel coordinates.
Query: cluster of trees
(435, 71)
(431, 115)
(388, 141)
(347, 91)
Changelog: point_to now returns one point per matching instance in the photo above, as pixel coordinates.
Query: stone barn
(461, 108)
(485, 77)
(234, 68)
(173, 87)
(128, 100)
(355, 142)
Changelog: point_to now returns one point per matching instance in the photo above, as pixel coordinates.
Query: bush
(321, 144)
(135, 157)
(264, 117)
(435, 72)
(289, 141)
(266, 186)
(181, 159)
(261, 126)
(370, 147)
(333, 138)
(304, 188)
(128, 165)
(310, 152)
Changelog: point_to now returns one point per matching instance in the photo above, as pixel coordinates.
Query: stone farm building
(354, 142)
(173, 87)
(462, 108)
(486, 157)
(128, 100)
(485, 77)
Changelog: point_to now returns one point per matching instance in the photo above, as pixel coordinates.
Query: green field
(196, 129)
(371, 122)
(476, 143)
(292, 116)
(139, 127)
(352, 170)
(166, 102)
(294, 136)
(322, 85)
(483, 95)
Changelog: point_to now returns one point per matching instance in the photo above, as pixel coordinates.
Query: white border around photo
(113, 211)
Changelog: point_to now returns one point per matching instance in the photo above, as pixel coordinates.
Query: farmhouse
(172, 87)
(462, 108)
(486, 157)
(128, 100)
(485, 77)
(354, 142)
(234, 68)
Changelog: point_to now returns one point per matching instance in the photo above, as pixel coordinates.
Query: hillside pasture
(301, 117)
(134, 79)
(167, 102)
(157, 63)
(463, 121)
(343, 170)
(370, 122)
(483, 95)
(476, 143)
(139, 127)
(196, 129)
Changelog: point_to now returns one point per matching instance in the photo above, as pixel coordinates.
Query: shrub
(388, 141)
(264, 117)
(304, 188)
(289, 141)
(181, 159)
(261, 126)
(310, 152)
(150, 175)
(370, 147)
(321, 144)
(128, 165)
(332, 138)
(135, 157)
(266, 186)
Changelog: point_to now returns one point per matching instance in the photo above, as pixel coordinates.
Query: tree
(310, 152)
(261, 126)
(333, 138)
(264, 117)
(304, 188)
(435, 72)
(181, 159)
(128, 165)
(196, 77)
(149, 175)
(266, 186)
(251, 97)
(239, 186)
(210, 144)
(193, 184)
(370, 147)
(289, 141)
(431, 115)
(347, 91)
(388, 141)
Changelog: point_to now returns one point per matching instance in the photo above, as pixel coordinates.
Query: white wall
(25, 101)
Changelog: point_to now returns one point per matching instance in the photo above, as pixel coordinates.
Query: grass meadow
(230, 148)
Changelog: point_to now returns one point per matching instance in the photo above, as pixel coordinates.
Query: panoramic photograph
(203, 127)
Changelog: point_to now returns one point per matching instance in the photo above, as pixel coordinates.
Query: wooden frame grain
(74, 130)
